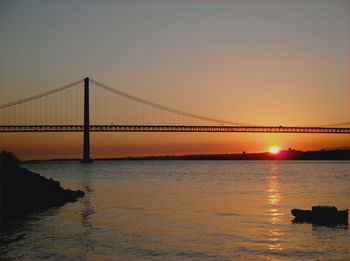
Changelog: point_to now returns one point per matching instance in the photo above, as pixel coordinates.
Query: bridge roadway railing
(171, 128)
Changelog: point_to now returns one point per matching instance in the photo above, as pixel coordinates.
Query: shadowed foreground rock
(321, 215)
(23, 191)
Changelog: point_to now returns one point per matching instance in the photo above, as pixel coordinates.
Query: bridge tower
(86, 146)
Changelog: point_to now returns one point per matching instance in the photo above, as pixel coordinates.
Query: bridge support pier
(86, 146)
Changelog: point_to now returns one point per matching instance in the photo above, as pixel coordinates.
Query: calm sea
(186, 210)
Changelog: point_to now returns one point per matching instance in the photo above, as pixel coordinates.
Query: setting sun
(274, 149)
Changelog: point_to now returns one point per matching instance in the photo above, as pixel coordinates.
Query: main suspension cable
(41, 94)
(165, 108)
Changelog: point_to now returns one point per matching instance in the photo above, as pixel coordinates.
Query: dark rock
(24, 192)
(321, 215)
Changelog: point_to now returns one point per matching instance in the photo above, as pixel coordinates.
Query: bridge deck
(171, 128)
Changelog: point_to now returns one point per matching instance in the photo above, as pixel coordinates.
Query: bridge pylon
(86, 145)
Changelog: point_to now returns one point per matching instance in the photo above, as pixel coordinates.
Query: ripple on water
(195, 210)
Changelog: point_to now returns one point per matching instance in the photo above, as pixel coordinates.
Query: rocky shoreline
(24, 192)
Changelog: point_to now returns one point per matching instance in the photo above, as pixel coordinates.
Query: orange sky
(264, 62)
(35, 146)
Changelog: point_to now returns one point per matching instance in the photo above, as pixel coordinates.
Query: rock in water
(321, 215)
(23, 191)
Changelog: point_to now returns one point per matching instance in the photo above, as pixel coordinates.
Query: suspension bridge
(67, 109)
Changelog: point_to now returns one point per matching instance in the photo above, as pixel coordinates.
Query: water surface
(185, 210)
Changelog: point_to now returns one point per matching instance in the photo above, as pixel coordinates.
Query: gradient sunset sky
(268, 62)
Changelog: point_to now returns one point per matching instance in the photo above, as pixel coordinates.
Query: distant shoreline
(290, 154)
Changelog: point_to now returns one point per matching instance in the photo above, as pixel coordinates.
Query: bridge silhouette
(67, 109)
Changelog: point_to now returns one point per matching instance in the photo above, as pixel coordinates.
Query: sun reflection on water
(274, 200)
